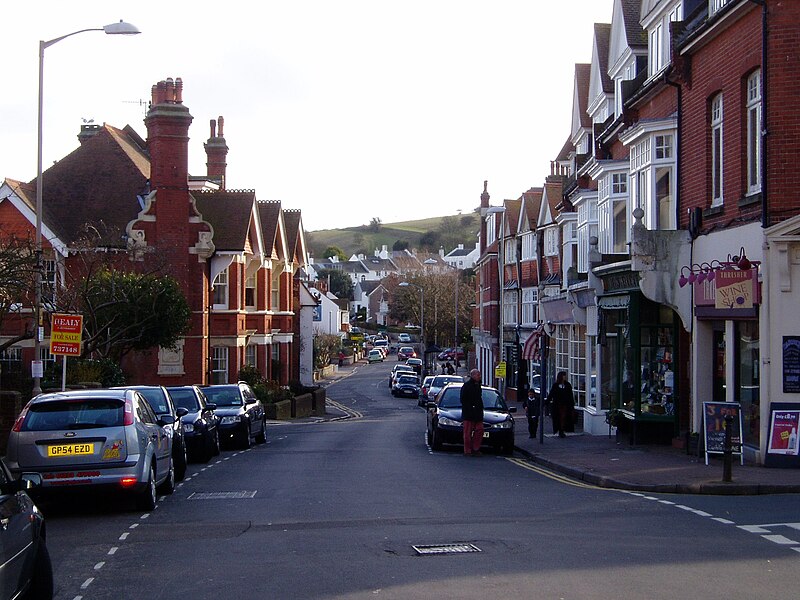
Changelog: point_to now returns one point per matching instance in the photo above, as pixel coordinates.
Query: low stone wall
(279, 411)
(301, 406)
(10, 407)
(318, 402)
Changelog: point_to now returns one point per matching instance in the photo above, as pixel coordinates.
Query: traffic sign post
(66, 332)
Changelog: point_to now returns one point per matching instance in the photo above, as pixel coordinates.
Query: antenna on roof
(145, 104)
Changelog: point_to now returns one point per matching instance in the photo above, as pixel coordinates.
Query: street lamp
(421, 318)
(120, 28)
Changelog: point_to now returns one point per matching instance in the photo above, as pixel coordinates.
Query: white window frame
(652, 159)
(251, 355)
(220, 290)
(659, 42)
(251, 283)
(753, 108)
(530, 298)
(717, 151)
(510, 307)
(219, 365)
(551, 241)
(714, 6)
(510, 251)
(528, 246)
(612, 203)
(275, 287)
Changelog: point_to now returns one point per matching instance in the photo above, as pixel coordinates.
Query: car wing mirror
(166, 420)
(512, 409)
(29, 480)
(211, 406)
(181, 412)
(430, 404)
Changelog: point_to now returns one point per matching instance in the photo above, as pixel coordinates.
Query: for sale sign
(65, 334)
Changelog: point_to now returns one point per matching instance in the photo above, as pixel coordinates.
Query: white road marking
(124, 537)
(99, 566)
(779, 539)
(145, 515)
(113, 551)
(134, 526)
(723, 521)
(87, 583)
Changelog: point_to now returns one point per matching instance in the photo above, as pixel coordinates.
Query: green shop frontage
(640, 345)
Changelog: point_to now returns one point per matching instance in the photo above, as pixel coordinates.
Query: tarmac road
(334, 508)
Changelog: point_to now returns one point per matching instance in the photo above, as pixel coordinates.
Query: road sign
(500, 370)
(65, 334)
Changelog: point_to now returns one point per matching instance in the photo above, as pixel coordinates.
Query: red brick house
(234, 257)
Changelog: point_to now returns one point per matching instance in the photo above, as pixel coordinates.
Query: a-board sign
(714, 427)
(783, 447)
(65, 334)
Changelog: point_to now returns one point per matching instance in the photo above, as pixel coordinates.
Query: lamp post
(120, 28)
(421, 318)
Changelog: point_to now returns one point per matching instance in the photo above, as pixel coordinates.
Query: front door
(720, 385)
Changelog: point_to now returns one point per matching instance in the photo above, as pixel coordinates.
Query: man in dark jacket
(472, 413)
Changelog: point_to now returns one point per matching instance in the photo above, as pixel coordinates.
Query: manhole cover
(457, 548)
(221, 495)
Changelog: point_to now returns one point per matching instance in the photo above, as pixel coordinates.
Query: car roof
(116, 394)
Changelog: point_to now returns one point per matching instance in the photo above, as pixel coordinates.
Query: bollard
(727, 452)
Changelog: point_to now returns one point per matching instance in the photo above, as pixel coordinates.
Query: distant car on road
(404, 338)
(406, 385)
(375, 355)
(440, 381)
(406, 352)
(416, 364)
(398, 370)
(25, 568)
(94, 439)
(200, 424)
(426, 384)
(241, 414)
(445, 424)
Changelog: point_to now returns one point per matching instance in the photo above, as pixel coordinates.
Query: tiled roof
(631, 10)
(291, 218)
(368, 287)
(582, 76)
(602, 33)
(97, 183)
(533, 202)
(228, 212)
(512, 215)
(269, 212)
(563, 155)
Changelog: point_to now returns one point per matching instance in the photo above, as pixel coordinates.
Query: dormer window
(715, 6)
(658, 48)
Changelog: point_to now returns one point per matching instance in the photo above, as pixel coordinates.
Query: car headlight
(188, 427)
(449, 422)
(504, 425)
(230, 420)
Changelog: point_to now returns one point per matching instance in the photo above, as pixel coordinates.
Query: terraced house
(668, 260)
(237, 259)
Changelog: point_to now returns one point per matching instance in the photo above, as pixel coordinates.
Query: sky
(346, 110)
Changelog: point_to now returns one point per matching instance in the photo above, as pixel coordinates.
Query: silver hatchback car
(94, 439)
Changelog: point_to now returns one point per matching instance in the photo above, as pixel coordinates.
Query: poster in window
(791, 364)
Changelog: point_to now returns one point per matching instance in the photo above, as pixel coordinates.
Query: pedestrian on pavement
(341, 358)
(563, 403)
(450, 369)
(531, 405)
(472, 413)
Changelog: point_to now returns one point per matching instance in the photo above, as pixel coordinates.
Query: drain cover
(221, 495)
(457, 548)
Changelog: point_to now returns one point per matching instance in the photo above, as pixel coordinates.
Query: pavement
(602, 461)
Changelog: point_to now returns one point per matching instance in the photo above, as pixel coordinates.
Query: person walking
(531, 405)
(472, 413)
(563, 403)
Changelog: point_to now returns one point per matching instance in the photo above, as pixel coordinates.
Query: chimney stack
(216, 153)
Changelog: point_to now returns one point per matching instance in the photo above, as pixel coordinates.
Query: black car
(241, 414)
(200, 423)
(445, 425)
(25, 569)
(161, 402)
(406, 385)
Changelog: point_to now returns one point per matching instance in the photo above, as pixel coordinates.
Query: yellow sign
(500, 370)
(65, 334)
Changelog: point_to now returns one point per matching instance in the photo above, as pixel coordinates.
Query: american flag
(532, 349)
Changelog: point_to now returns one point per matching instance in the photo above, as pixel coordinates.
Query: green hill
(424, 234)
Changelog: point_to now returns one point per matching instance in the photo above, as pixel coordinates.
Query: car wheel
(168, 485)
(215, 446)
(436, 440)
(261, 438)
(146, 500)
(180, 460)
(42, 576)
(246, 439)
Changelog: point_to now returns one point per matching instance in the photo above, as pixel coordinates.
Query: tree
(335, 251)
(340, 284)
(430, 241)
(17, 282)
(400, 245)
(375, 224)
(325, 344)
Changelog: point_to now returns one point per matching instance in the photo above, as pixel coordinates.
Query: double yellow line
(349, 413)
(551, 475)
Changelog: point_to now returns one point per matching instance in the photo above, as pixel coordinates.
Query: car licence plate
(486, 434)
(69, 450)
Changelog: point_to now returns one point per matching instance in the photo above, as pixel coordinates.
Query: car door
(156, 436)
(16, 538)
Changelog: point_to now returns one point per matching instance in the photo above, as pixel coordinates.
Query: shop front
(638, 359)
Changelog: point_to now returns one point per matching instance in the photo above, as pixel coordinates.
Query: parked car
(416, 364)
(444, 354)
(451, 353)
(374, 355)
(241, 414)
(397, 370)
(442, 380)
(406, 385)
(445, 424)
(161, 402)
(404, 338)
(426, 384)
(200, 423)
(25, 568)
(94, 439)
(406, 352)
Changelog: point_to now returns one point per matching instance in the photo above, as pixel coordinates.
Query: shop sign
(500, 370)
(783, 446)
(791, 364)
(620, 281)
(65, 334)
(734, 289)
(714, 414)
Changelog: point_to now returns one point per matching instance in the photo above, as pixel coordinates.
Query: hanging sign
(734, 289)
(66, 334)
(714, 414)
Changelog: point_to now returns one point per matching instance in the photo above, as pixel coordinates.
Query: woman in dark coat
(563, 403)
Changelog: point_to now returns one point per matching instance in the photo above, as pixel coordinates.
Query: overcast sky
(347, 110)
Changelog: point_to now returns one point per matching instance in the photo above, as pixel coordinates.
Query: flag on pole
(532, 349)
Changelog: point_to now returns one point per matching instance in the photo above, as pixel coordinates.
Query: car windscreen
(184, 398)
(451, 398)
(156, 399)
(223, 396)
(410, 379)
(443, 380)
(74, 414)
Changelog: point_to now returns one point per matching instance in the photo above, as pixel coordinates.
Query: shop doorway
(720, 385)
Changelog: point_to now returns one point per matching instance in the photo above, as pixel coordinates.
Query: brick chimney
(216, 153)
(88, 130)
(168, 122)
(484, 208)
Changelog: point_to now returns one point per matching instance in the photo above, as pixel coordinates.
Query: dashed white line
(134, 526)
(145, 516)
(87, 583)
(124, 536)
(113, 551)
(779, 539)
(723, 521)
(99, 566)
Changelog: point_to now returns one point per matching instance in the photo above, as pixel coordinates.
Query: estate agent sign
(65, 334)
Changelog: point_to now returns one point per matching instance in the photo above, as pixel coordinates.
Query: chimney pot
(221, 121)
(213, 124)
(178, 90)
(169, 89)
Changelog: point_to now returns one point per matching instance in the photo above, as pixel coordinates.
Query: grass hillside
(424, 234)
